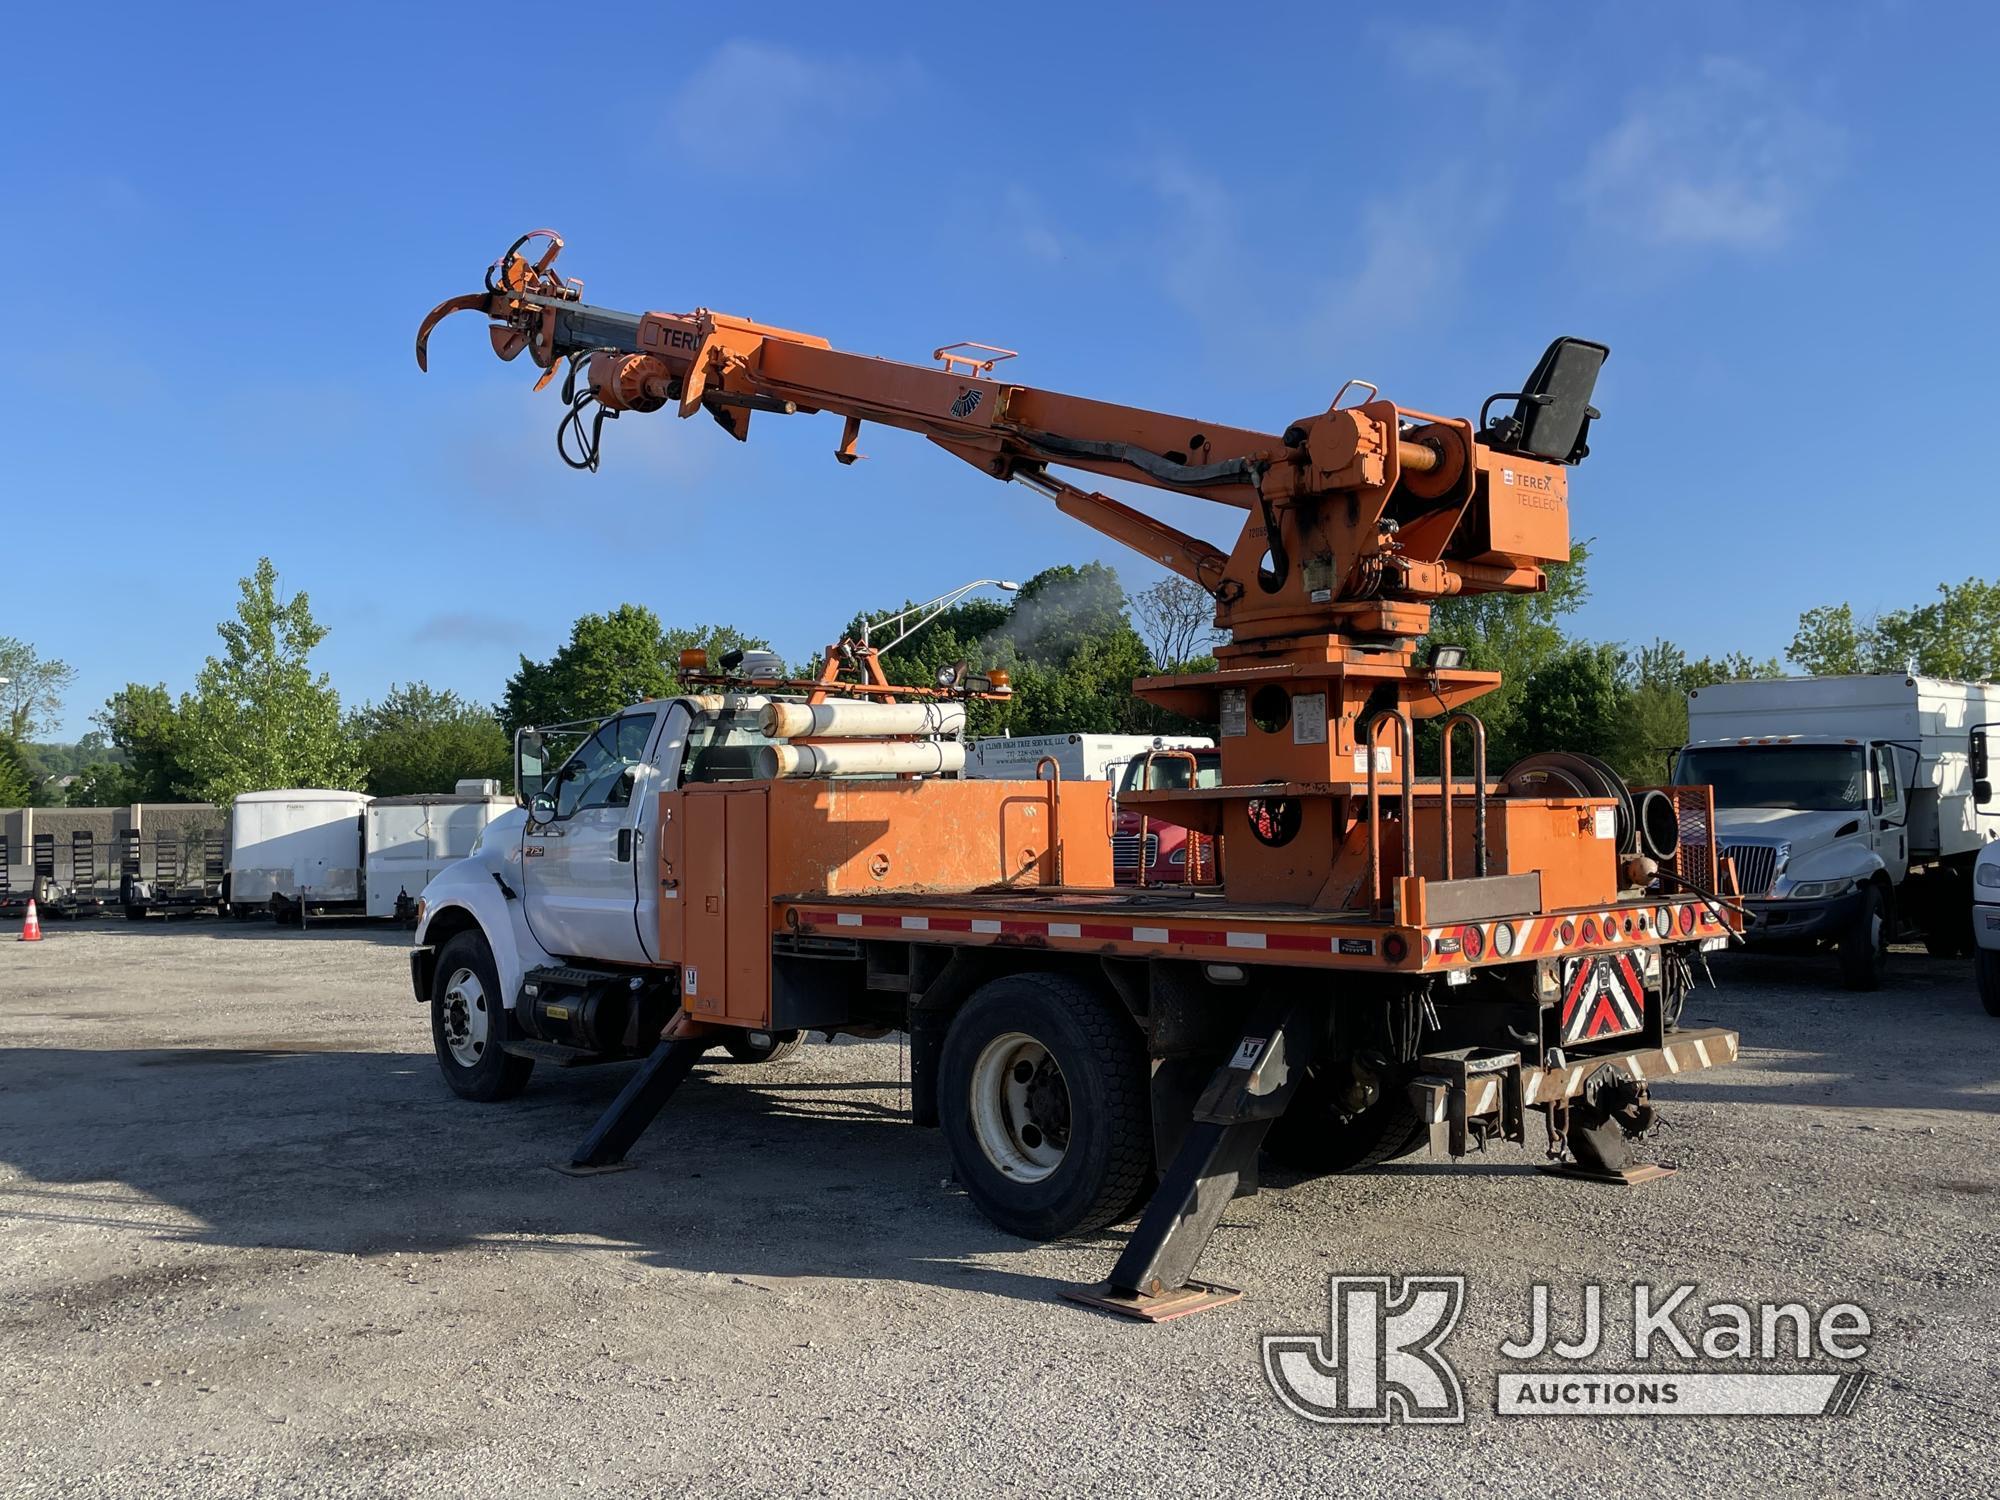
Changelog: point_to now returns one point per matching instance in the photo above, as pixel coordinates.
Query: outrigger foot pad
(1144, 1307)
(1622, 1177)
(579, 1169)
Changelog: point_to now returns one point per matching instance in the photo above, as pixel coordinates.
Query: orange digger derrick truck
(1390, 960)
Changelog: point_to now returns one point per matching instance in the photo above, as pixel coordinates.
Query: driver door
(583, 898)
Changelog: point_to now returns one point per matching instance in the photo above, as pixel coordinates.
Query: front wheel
(1864, 948)
(1045, 1104)
(469, 1024)
(1986, 966)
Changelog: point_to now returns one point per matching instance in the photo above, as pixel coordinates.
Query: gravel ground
(253, 1246)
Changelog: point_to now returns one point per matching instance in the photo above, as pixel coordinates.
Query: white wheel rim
(1020, 1107)
(465, 1017)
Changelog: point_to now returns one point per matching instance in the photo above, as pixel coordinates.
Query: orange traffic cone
(31, 930)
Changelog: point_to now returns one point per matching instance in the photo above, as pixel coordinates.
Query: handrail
(1055, 863)
(1403, 744)
(1450, 722)
(1146, 785)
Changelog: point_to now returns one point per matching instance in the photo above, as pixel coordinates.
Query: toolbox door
(726, 962)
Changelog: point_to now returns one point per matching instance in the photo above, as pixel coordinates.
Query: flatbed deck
(1146, 923)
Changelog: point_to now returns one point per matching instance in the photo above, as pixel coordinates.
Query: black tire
(1864, 947)
(135, 911)
(484, 1072)
(1986, 968)
(1100, 1092)
(1312, 1137)
(764, 1046)
(1947, 913)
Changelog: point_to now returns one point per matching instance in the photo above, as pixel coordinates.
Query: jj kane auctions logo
(1381, 1358)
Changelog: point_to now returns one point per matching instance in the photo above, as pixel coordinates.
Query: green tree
(609, 661)
(259, 717)
(1512, 634)
(102, 784)
(146, 731)
(31, 696)
(1827, 643)
(1956, 635)
(15, 785)
(1574, 700)
(418, 739)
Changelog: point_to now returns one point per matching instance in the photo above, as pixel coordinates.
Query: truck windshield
(1816, 778)
(1170, 772)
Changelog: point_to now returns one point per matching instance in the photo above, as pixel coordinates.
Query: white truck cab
(567, 875)
(1850, 806)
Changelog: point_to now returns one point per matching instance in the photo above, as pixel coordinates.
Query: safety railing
(1054, 863)
(1145, 819)
(1449, 795)
(1369, 733)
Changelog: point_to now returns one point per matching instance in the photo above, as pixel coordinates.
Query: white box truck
(1850, 806)
(1080, 757)
(293, 849)
(410, 839)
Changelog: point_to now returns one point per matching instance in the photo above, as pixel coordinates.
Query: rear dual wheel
(1322, 1133)
(764, 1046)
(1044, 1092)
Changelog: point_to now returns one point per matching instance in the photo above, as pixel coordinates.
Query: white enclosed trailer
(300, 846)
(1080, 757)
(410, 839)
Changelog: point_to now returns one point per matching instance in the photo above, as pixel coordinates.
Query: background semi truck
(1853, 807)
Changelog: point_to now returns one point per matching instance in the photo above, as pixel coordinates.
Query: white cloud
(1724, 159)
(754, 103)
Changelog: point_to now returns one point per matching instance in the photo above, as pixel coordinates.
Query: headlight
(1814, 890)
(1178, 856)
(1987, 875)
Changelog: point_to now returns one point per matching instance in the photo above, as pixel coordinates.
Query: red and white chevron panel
(1603, 994)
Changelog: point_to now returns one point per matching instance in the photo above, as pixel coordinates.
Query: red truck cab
(1167, 853)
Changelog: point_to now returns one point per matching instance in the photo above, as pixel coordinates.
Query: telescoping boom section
(1506, 943)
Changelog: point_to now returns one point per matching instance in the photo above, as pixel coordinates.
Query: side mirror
(542, 807)
(530, 766)
(1978, 756)
(1982, 792)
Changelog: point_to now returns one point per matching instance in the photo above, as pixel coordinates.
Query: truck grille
(1756, 866)
(1125, 850)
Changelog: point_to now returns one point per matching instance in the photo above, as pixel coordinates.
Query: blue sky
(225, 224)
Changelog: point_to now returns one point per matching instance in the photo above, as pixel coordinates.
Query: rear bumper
(1791, 921)
(1446, 1104)
(1986, 925)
